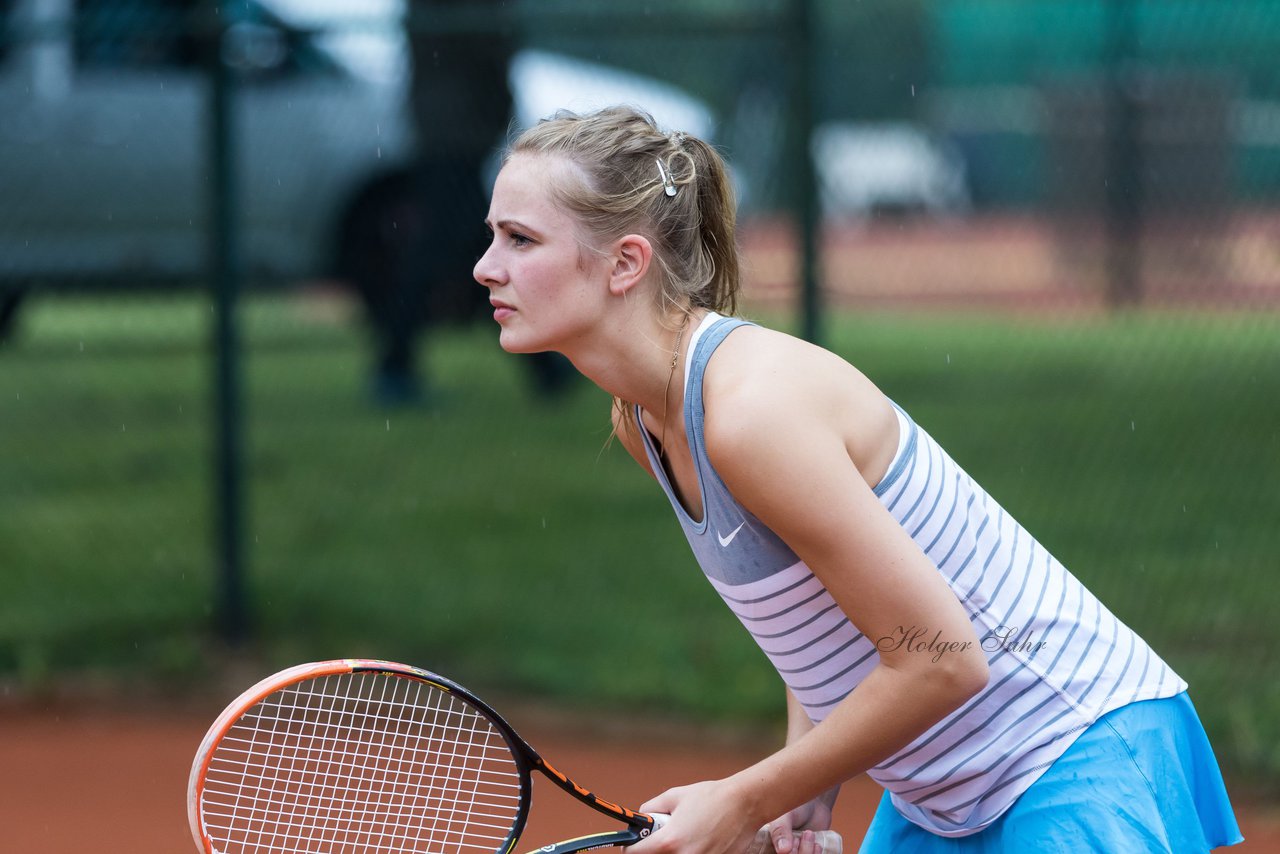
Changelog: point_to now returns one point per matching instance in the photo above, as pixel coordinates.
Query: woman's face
(545, 287)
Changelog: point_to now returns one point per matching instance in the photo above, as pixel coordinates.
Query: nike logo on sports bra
(724, 541)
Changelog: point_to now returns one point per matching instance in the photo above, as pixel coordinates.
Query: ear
(631, 256)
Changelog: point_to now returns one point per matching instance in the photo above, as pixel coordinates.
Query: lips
(501, 310)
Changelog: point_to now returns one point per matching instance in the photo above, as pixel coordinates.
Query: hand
(794, 833)
(706, 818)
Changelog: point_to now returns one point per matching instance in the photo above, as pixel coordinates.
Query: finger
(780, 833)
(828, 842)
(664, 803)
(646, 841)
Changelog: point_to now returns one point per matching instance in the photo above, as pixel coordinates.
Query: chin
(514, 343)
(509, 341)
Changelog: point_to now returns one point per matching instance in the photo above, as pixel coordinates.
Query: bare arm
(798, 723)
(787, 831)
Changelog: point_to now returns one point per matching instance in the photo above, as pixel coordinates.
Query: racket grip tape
(829, 842)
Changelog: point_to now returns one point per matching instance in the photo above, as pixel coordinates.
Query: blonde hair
(627, 166)
(674, 188)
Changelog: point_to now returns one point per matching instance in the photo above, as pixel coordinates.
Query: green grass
(492, 537)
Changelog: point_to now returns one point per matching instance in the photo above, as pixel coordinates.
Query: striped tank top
(1058, 658)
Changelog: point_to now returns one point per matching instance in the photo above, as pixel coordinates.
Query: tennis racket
(357, 755)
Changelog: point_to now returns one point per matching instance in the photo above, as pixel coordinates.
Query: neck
(640, 360)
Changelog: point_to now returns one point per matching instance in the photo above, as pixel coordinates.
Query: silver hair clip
(668, 184)
(676, 138)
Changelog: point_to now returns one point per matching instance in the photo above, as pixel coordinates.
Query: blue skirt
(1142, 778)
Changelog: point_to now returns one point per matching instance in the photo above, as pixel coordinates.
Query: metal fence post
(225, 273)
(805, 196)
(1124, 203)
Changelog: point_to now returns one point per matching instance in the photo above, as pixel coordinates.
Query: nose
(487, 271)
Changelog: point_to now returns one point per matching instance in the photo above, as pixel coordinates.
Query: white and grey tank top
(1058, 658)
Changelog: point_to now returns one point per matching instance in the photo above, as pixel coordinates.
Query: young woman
(924, 637)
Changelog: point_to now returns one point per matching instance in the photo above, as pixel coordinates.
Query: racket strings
(361, 762)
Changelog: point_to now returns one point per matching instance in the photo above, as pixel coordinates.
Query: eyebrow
(508, 224)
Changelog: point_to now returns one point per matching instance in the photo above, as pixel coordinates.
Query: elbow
(966, 676)
(949, 681)
(955, 678)
(979, 677)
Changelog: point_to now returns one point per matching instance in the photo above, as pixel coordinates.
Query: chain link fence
(1067, 211)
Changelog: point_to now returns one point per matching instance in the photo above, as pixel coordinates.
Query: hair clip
(668, 184)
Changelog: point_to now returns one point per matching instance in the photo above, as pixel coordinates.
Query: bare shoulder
(763, 386)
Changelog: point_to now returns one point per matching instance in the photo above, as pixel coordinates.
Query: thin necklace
(666, 394)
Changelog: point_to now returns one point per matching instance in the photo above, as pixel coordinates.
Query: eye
(519, 239)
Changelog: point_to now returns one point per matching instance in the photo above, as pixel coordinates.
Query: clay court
(113, 782)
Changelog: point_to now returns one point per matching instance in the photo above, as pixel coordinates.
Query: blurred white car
(868, 169)
(104, 167)
(104, 158)
(543, 82)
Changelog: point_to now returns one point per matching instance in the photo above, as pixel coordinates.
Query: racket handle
(829, 842)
